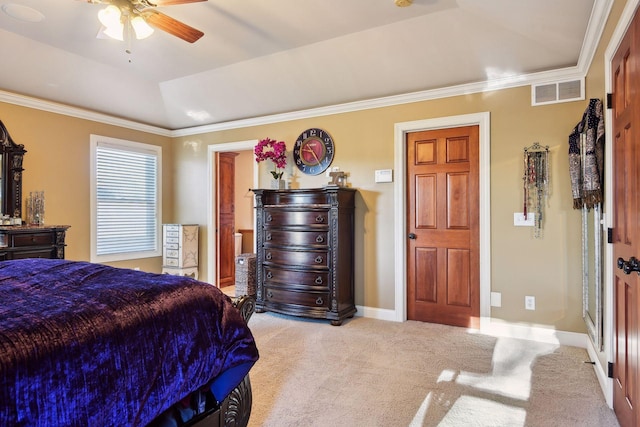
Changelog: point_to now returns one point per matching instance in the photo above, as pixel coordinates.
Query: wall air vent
(554, 93)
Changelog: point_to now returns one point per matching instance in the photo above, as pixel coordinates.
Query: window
(125, 199)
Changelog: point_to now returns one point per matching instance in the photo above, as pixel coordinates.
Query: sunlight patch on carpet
(478, 412)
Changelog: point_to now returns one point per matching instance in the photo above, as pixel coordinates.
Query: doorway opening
(213, 209)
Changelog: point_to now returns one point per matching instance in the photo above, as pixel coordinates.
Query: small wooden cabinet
(180, 250)
(304, 260)
(32, 241)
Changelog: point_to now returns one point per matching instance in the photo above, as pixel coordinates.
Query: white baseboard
(606, 383)
(536, 333)
(376, 313)
(500, 329)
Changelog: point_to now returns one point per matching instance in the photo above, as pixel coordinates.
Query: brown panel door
(626, 233)
(443, 262)
(226, 219)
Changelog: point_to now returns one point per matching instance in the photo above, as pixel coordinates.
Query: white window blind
(126, 200)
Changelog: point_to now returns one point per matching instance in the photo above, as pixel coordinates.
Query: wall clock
(313, 151)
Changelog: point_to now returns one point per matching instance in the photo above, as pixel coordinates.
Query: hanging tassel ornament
(536, 183)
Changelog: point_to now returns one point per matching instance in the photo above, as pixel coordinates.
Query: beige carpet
(376, 373)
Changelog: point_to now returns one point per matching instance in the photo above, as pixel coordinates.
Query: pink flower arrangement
(273, 150)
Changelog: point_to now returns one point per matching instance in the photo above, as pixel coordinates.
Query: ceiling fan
(142, 15)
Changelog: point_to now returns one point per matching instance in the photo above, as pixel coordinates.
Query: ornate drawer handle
(267, 237)
(269, 294)
(319, 259)
(319, 239)
(319, 280)
(269, 218)
(268, 255)
(319, 301)
(269, 275)
(320, 218)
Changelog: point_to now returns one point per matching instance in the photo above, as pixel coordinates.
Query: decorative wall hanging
(536, 183)
(586, 157)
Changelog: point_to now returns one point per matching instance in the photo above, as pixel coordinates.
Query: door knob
(412, 236)
(628, 266)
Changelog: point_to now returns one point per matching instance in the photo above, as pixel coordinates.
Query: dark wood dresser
(32, 241)
(304, 260)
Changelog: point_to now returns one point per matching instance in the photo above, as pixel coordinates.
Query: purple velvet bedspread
(85, 344)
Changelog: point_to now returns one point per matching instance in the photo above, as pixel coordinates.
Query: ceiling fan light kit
(114, 21)
(141, 28)
(141, 16)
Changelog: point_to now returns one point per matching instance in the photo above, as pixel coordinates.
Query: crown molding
(80, 113)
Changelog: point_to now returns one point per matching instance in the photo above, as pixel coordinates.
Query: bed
(85, 344)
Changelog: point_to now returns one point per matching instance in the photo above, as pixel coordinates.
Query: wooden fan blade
(172, 2)
(172, 26)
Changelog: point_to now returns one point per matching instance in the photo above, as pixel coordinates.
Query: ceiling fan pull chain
(127, 37)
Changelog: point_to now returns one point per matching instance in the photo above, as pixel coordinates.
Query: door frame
(212, 209)
(606, 383)
(482, 120)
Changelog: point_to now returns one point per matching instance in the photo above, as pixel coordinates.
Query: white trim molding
(400, 226)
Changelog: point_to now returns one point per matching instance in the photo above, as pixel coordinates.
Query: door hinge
(610, 369)
(609, 235)
(609, 101)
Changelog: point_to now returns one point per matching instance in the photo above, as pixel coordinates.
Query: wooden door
(443, 234)
(225, 236)
(626, 226)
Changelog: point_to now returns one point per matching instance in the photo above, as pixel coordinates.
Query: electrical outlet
(530, 303)
(496, 299)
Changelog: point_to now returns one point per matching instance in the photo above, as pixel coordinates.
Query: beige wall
(548, 268)
(57, 161)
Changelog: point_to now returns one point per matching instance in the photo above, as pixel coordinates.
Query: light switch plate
(520, 221)
(384, 175)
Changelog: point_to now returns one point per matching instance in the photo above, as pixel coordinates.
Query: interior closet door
(626, 226)
(225, 236)
(443, 232)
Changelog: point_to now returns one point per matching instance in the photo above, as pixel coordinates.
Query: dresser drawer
(305, 198)
(33, 239)
(316, 279)
(296, 238)
(276, 295)
(315, 259)
(171, 253)
(50, 253)
(282, 217)
(171, 262)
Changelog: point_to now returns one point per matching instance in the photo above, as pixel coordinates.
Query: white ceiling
(263, 57)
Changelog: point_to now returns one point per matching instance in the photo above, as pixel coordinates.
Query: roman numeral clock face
(313, 151)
